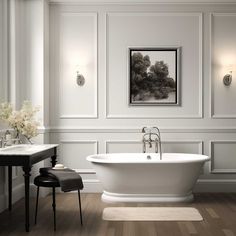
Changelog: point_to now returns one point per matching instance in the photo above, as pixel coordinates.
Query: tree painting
(150, 80)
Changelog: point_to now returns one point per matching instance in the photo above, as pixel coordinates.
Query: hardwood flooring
(217, 209)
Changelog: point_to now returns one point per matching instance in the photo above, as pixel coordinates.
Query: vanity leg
(9, 188)
(26, 175)
(54, 157)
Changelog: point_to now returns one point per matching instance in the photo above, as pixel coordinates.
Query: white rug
(151, 214)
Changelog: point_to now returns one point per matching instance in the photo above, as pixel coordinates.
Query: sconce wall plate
(80, 80)
(227, 79)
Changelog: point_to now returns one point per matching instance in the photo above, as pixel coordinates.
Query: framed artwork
(153, 76)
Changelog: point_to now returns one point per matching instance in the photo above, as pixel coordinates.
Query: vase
(29, 140)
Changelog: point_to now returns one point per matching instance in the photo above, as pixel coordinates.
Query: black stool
(48, 181)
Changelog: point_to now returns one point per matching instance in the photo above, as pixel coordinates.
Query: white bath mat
(151, 214)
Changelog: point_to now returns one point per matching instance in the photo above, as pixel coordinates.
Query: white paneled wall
(169, 29)
(78, 52)
(102, 34)
(93, 38)
(223, 60)
(23, 76)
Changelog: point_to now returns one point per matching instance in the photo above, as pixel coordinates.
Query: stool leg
(80, 210)
(54, 206)
(36, 207)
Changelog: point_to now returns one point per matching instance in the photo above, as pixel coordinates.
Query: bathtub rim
(95, 158)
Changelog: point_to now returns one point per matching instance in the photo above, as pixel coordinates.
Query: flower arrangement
(22, 121)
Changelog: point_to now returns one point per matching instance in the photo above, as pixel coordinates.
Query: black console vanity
(25, 156)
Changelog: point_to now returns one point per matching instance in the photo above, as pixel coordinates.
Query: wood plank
(217, 209)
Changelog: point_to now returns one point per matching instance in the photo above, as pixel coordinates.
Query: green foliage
(152, 83)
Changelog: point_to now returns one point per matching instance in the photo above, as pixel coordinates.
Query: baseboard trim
(202, 185)
(17, 194)
(215, 185)
(95, 186)
(92, 186)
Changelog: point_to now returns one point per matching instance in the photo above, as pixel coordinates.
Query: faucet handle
(147, 130)
(143, 129)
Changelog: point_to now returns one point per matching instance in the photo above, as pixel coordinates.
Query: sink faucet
(3, 142)
(151, 137)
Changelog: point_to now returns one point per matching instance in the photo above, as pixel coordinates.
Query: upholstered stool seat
(46, 181)
(51, 182)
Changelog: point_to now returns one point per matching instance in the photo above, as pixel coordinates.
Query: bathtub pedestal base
(145, 198)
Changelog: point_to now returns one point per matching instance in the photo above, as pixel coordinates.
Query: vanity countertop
(25, 149)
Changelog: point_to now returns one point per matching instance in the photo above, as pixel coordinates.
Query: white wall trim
(211, 86)
(95, 142)
(81, 141)
(138, 130)
(202, 185)
(17, 194)
(215, 185)
(199, 142)
(4, 57)
(211, 151)
(200, 100)
(92, 186)
(85, 171)
(141, 2)
(107, 142)
(84, 116)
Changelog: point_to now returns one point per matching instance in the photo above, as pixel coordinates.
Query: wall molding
(137, 130)
(182, 141)
(142, 2)
(85, 171)
(84, 116)
(4, 57)
(211, 86)
(107, 142)
(72, 141)
(202, 185)
(95, 142)
(200, 79)
(211, 151)
(17, 193)
(215, 185)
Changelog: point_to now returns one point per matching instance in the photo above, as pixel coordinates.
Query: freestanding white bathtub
(133, 177)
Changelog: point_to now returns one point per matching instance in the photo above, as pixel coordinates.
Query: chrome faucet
(3, 142)
(151, 137)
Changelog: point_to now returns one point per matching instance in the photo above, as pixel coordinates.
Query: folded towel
(69, 180)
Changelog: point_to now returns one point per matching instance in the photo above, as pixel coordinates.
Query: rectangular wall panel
(73, 153)
(78, 52)
(129, 146)
(182, 30)
(223, 60)
(223, 156)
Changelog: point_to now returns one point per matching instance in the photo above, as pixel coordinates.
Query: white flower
(23, 121)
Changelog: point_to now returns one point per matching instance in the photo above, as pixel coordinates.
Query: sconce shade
(80, 80)
(227, 79)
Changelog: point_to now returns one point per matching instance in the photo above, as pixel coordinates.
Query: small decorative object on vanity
(23, 122)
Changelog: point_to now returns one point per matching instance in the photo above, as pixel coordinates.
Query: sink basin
(23, 149)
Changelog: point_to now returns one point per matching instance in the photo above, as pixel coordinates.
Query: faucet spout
(150, 137)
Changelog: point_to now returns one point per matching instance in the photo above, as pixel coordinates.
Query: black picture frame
(153, 74)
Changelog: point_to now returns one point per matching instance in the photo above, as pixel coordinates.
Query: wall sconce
(227, 79)
(80, 80)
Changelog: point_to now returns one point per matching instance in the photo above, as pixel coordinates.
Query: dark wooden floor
(218, 211)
